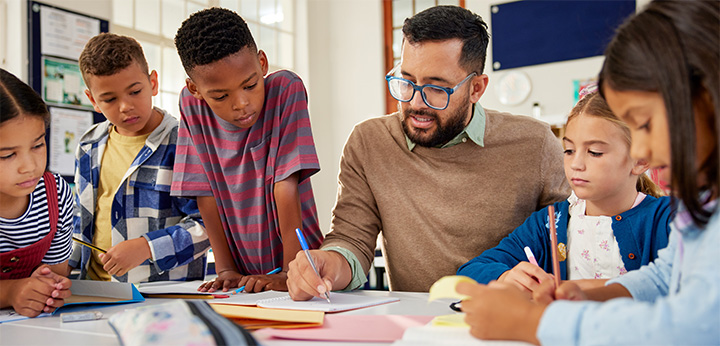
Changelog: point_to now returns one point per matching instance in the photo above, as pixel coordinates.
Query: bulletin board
(56, 37)
(534, 32)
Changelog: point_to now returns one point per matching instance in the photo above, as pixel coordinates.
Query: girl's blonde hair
(594, 105)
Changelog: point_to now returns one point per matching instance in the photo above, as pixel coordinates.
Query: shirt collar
(475, 130)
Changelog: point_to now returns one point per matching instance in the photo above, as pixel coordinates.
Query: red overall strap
(52, 201)
(20, 263)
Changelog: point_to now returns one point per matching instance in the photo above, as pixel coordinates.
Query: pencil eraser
(81, 316)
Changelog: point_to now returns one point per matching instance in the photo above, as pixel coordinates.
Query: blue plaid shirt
(142, 207)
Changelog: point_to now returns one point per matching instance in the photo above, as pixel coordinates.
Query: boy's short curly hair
(210, 35)
(107, 54)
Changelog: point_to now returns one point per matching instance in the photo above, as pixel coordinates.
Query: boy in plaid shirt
(123, 175)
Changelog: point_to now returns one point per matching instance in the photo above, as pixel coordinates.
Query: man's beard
(443, 132)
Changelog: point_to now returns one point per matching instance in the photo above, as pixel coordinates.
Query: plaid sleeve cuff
(358, 277)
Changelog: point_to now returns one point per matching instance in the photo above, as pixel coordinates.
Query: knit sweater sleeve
(493, 262)
(356, 222)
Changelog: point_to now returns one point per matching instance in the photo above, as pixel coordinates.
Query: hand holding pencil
(332, 272)
(526, 276)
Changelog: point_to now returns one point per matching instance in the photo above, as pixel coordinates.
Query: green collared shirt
(475, 130)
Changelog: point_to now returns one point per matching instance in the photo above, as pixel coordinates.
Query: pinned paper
(445, 287)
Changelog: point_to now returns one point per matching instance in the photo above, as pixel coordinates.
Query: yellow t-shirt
(120, 152)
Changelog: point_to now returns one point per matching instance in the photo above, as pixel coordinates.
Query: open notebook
(338, 302)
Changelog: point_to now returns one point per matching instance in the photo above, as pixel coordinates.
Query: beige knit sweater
(438, 208)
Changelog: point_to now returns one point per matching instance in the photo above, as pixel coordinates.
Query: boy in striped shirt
(123, 175)
(245, 150)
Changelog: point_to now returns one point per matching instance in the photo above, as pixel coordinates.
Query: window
(154, 24)
(395, 12)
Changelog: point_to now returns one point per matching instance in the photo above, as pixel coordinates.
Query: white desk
(52, 331)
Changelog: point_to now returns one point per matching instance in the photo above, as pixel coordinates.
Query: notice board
(56, 37)
(534, 32)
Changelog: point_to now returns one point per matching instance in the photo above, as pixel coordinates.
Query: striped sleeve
(61, 245)
(296, 151)
(189, 177)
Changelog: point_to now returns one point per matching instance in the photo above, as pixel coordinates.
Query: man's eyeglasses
(435, 96)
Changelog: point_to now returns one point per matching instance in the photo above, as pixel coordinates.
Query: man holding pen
(442, 178)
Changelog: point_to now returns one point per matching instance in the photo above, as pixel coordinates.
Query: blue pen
(306, 249)
(274, 271)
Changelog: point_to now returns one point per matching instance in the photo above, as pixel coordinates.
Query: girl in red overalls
(35, 207)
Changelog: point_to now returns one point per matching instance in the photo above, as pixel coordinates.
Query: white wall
(346, 82)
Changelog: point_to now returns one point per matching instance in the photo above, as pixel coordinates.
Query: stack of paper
(256, 318)
(338, 302)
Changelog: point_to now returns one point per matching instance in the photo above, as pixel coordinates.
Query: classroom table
(52, 331)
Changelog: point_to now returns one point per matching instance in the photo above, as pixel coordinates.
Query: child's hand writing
(226, 280)
(525, 276)
(125, 256)
(500, 312)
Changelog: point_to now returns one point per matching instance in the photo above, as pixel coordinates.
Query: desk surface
(52, 331)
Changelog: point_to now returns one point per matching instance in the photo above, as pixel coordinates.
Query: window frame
(389, 56)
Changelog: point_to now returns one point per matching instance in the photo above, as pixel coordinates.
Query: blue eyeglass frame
(420, 88)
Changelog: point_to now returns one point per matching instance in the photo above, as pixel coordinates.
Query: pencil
(530, 256)
(89, 245)
(274, 271)
(554, 245)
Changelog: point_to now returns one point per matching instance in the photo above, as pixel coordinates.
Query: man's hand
(125, 256)
(303, 283)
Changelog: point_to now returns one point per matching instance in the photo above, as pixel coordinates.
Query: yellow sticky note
(453, 320)
(445, 287)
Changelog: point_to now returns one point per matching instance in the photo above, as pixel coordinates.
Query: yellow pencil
(89, 245)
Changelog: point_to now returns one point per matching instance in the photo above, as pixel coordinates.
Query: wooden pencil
(554, 245)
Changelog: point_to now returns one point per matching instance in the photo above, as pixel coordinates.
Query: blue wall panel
(535, 32)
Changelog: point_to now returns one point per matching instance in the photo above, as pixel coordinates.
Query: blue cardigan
(640, 233)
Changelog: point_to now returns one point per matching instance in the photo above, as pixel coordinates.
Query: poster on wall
(66, 128)
(62, 83)
(64, 34)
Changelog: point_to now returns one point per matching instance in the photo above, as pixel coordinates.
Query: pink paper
(366, 328)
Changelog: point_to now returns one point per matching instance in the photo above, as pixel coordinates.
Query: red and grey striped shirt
(240, 166)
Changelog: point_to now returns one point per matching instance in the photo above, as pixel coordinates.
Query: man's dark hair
(441, 23)
(211, 35)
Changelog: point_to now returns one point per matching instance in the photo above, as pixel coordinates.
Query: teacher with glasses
(442, 179)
